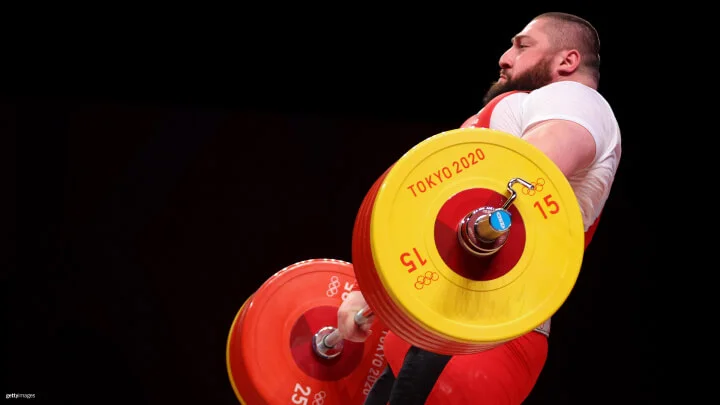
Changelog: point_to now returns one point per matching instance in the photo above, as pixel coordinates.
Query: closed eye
(521, 41)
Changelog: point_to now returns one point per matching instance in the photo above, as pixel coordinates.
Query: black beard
(533, 79)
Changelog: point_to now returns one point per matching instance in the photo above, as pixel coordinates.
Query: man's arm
(566, 143)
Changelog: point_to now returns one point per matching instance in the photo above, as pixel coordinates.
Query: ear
(569, 62)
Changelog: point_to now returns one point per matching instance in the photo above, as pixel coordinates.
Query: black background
(165, 157)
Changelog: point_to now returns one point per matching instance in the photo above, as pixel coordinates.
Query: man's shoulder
(567, 88)
(566, 95)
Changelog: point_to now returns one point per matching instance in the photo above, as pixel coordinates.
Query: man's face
(527, 65)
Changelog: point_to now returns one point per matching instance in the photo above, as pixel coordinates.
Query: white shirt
(581, 104)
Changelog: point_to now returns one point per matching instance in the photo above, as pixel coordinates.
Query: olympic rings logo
(333, 287)
(426, 279)
(319, 398)
(538, 184)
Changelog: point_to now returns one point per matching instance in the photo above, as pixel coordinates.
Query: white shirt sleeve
(574, 102)
(507, 115)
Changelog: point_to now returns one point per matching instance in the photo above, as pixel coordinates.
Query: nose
(505, 61)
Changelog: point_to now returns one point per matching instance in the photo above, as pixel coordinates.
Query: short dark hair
(576, 32)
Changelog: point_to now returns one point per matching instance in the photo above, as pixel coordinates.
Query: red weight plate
(271, 352)
(370, 284)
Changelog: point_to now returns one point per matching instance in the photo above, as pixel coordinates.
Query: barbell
(472, 238)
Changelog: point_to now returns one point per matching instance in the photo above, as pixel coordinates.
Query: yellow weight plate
(441, 286)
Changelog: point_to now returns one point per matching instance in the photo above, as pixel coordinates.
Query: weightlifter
(547, 95)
